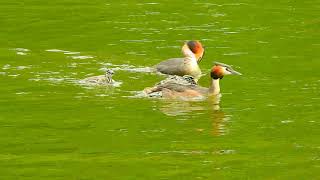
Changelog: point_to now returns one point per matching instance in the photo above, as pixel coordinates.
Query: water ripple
(136, 40)
(148, 3)
(81, 57)
(235, 53)
(21, 51)
(126, 67)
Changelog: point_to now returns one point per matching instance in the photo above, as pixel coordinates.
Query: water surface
(267, 126)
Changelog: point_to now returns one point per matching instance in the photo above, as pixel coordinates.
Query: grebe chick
(100, 80)
(171, 88)
(193, 53)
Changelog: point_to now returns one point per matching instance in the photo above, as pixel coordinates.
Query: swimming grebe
(193, 53)
(171, 88)
(100, 80)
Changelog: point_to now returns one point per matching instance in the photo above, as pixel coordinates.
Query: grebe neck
(190, 60)
(190, 57)
(214, 88)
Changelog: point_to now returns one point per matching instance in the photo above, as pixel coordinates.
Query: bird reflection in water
(210, 106)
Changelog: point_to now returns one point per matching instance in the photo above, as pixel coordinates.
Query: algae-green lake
(267, 126)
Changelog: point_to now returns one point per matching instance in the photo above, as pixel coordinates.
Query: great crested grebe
(193, 53)
(172, 88)
(100, 80)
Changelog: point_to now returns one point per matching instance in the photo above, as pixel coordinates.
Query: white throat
(214, 88)
(188, 54)
(191, 60)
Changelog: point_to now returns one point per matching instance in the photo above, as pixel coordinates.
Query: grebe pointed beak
(228, 69)
(233, 72)
(204, 51)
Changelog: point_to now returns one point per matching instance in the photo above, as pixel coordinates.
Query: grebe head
(193, 49)
(109, 74)
(219, 70)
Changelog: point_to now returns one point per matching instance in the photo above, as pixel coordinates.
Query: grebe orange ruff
(183, 87)
(193, 53)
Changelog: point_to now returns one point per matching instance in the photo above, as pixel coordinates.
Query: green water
(267, 126)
